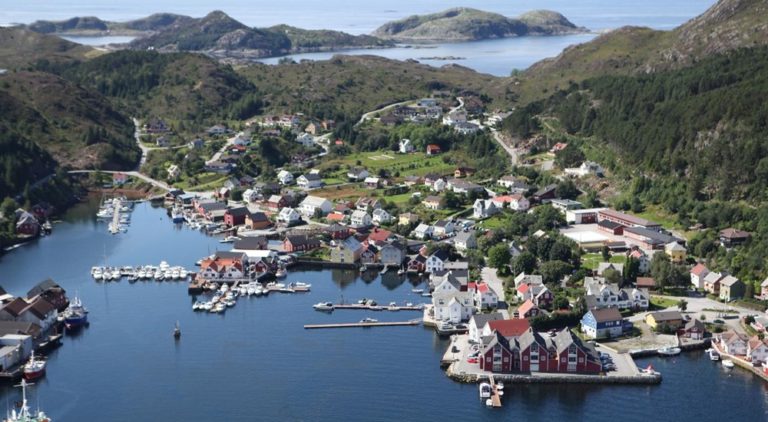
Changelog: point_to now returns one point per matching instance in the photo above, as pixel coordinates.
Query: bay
(256, 362)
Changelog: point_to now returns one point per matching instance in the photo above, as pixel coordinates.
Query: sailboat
(177, 331)
(24, 414)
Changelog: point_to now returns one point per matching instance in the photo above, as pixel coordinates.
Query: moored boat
(668, 351)
(323, 306)
(34, 368)
(75, 316)
(368, 320)
(727, 363)
(24, 414)
(713, 355)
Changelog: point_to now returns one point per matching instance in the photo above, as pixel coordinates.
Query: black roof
(42, 287)
(239, 211)
(612, 225)
(259, 216)
(250, 243)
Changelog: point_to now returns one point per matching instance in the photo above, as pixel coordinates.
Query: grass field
(591, 260)
(415, 164)
(205, 181)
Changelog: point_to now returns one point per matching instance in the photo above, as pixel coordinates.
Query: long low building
(586, 216)
(650, 239)
(626, 219)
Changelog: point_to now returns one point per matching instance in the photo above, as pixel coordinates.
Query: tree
(612, 276)
(682, 304)
(499, 256)
(561, 302)
(570, 156)
(631, 268)
(560, 252)
(567, 189)
(749, 289)
(524, 263)
(606, 253)
(554, 271)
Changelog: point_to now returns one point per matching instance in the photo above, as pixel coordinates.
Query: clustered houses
(753, 349)
(723, 285)
(224, 266)
(529, 287)
(600, 294)
(515, 348)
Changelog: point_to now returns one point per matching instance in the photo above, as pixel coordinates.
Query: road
(367, 116)
(696, 306)
(511, 151)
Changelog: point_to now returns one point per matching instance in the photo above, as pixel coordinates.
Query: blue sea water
(497, 57)
(256, 362)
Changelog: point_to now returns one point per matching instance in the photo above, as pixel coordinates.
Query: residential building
(514, 185)
(436, 261)
(733, 237)
(731, 288)
(545, 193)
(508, 328)
(527, 310)
(300, 243)
(602, 323)
(309, 181)
(433, 149)
(463, 172)
(452, 301)
(257, 221)
(443, 228)
(644, 262)
(288, 216)
(676, 252)
(484, 208)
(712, 282)
(484, 296)
(372, 182)
(314, 205)
(285, 177)
(422, 232)
(530, 279)
(357, 174)
(466, 128)
(277, 202)
(587, 168)
(465, 240)
(733, 343)
(224, 266)
(405, 146)
(235, 216)
(367, 204)
(439, 185)
(694, 329)
(379, 236)
(360, 219)
(757, 350)
(381, 216)
(478, 322)
(337, 231)
(455, 117)
(391, 254)
(26, 223)
(698, 272)
(603, 266)
(764, 290)
(515, 202)
(433, 202)
(407, 218)
(463, 186)
(347, 251)
(671, 319)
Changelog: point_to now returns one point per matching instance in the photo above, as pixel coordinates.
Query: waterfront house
(671, 319)
(50, 291)
(418, 264)
(391, 254)
(381, 216)
(452, 301)
(478, 322)
(250, 243)
(693, 329)
(311, 206)
(465, 240)
(733, 237)
(288, 216)
(485, 297)
(712, 282)
(602, 323)
(223, 266)
(236, 216)
(357, 174)
(285, 177)
(484, 208)
(515, 202)
(360, 219)
(731, 288)
(347, 251)
(208, 208)
(676, 252)
(379, 236)
(508, 328)
(757, 350)
(443, 228)
(698, 272)
(26, 223)
(436, 261)
(309, 181)
(497, 355)
(257, 221)
(760, 324)
(37, 311)
(300, 243)
(733, 343)
(527, 310)
(433, 202)
(422, 231)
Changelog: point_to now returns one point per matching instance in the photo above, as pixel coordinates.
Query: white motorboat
(176, 274)
(368, 320)
(183, 273)
(229, 239)
(164, 266)
(426, 294)
(299, 286)
(393, 307)
(713, 355)
(417, 291)
(281, 273)
(669, 351)
(727, 363)
(323, 306)
(485, 390)
(116, 274)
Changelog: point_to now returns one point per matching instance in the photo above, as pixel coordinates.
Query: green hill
(462, 24)
(727, 25)
(305, 39)
(20, 48)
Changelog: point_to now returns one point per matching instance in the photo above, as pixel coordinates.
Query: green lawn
(590, 261)
(205, 181)
(416, 164)
(662, 303)
(495, 222)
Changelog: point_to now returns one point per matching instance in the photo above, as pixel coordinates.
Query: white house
(381, 216)
(439, 185)
(436, 261)
(513, 184)
(306, 139)
(485, 297)
(443, 228)
(285, 177)
(357, 174)
(312, 204)
(698, 273)
(288, 216)
(309, 181)
(452, 301)
(250, 195)
(360, 219)
(585, 169)
(757, 350)
(515, 202)
(406, 146)
(465, 241)
(484, 208)
(422, 231)
(524, 278)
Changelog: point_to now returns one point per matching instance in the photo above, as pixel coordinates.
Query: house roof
(647, 282)
(631, 219)
(238, 212)
(41, 287)
(729, 281)
(441, 254)
(731, 233)
(606, 314)
(479, 320)
(545, 190)
(510, 327)
(335, 216)
(250, 243)
(258, 217)
(699, 269)
(666, 316)
(311, 176)
(694, 323)
(713, 277)
(314, 201)
(379, 235)
(41, 308)
(432, 198)
(16, 307)
(297, 240)
(526, 307)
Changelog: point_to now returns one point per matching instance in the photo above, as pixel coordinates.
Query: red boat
(34, 369)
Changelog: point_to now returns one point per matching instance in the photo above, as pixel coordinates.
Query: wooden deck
(378, 308)
(363, 324)
(495, 396)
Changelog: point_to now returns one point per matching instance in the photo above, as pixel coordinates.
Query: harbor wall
(550, 378)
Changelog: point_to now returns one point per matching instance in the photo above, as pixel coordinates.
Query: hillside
(727, 25)
(352, 85)
(312, 40)
(78, 127)
(93, 26)
(20, 48)
(465, 24)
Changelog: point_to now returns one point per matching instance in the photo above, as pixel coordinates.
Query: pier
(495, 396)
(378, 308)
(363, 324)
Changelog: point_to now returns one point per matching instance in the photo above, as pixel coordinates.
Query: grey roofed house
(251, 243)
(42, 287)
(695, 323)
(213, 206)
(311, 176)
(19, 327)
(729, 280)
(479, 320)
(667, 316)
(441, 254)
(462, 275)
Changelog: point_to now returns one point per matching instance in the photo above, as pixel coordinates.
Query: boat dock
(363, 324)
(495, 396)
(378, 308)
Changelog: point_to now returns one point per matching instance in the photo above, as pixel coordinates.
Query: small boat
(426, 294)
(177, 215)
(34, 368)
(323, 306)
(24, 414)
(220, 307)
(417, 291)
(299, 286)
(363, 269)
(281, 273)
(649, 370)
(400, 271)
(668, 351)
(713, 355)
(485, 390)
(727, 363)
(177, 331)
(183, 274)
(383, 270)
(368, 320)
(393, 307)
(229, 239)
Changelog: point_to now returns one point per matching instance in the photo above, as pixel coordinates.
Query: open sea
(256, 361)
(497, 57)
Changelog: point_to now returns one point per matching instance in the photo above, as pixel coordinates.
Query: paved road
(696, 306)
(511, 151)
(367, 116)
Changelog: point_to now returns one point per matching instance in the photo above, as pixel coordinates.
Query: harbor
(363, 324)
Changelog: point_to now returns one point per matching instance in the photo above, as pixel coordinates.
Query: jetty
(495, 396)
(360, 307)
(363, 324)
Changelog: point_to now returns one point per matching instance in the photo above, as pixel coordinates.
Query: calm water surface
(256, 362)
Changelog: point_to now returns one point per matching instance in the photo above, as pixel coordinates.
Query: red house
(300, 243)
(236, 216)
(433, 149)
(277, 202)
(498, 356)
(257, 221)
(418, 264)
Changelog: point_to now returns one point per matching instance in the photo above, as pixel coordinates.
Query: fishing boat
(727, 363)
(24, 414)
(323, 306)
(34, 368)
(75, 316)
(177, 331)
(668, 351)
(713, 355)
(299, 286)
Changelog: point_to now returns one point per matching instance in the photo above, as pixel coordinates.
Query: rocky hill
(20, 47)
(323, 39)
(465, 24)
(728, 25)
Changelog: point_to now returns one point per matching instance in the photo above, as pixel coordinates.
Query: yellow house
(407, 218)
(676, 252)
(671, 318)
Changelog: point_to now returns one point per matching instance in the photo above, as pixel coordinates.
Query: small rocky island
(466, 24)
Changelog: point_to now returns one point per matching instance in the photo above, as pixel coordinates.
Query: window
(497, 359)
(506, 359)
(571, 359)
(534, 348)
(525, 358)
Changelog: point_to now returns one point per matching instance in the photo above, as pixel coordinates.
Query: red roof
(510, 327)
(339, 142)
(525, 308)
(699, 269)
(335, 216)
(482, 287)
(379, 235)
(648, 282)
(471, 285)
(523, 288)
(433, 147)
